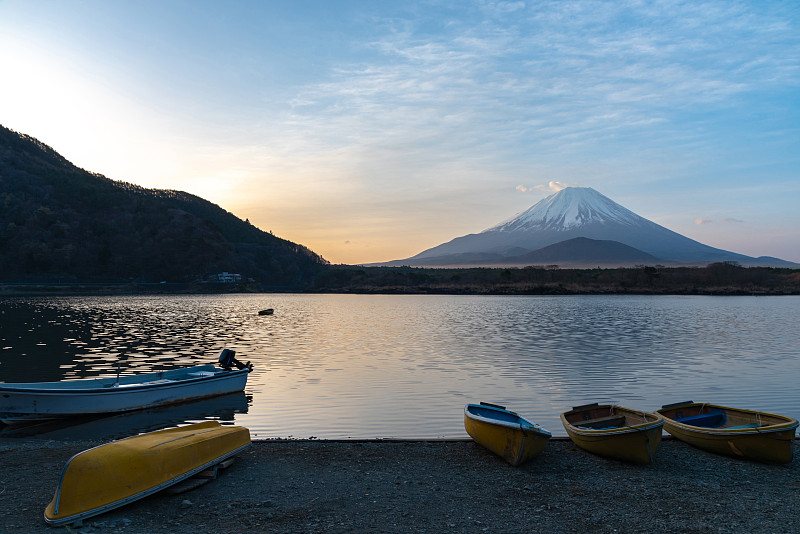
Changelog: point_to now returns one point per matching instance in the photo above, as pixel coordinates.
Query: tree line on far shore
(715, 279)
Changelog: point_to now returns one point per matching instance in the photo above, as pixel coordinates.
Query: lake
(391, 366)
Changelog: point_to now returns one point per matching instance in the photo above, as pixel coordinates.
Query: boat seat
(599, 423)
(706, 420)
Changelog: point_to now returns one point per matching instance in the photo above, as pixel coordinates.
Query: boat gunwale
(614, 431)
(131, 498)
(789, 423)
(735, 431)
(110, 389)
(524, 425)
(627, 429)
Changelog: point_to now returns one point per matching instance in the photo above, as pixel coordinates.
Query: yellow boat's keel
(120, 472)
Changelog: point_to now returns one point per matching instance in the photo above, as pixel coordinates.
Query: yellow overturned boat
(117, 473)
(761, 436)
(614, 431)
(504, 432)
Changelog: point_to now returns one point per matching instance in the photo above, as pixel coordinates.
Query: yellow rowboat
(504, 432)
(749, 434)
(117, 473)
(614, 431)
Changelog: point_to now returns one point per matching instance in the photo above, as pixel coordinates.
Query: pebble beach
(317, 486)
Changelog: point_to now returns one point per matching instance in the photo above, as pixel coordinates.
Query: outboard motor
(228, 359)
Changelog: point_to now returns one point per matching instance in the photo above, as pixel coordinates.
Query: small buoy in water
(268, 311)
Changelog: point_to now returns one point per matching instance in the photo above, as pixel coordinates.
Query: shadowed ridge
(61, 222)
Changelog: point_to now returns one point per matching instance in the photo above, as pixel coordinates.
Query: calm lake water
(358, 366)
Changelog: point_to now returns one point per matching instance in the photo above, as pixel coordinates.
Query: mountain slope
(577, 252)
(587, 252)
(582, 212)
(58, 221)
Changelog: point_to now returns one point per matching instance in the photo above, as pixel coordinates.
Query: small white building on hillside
(228, 278)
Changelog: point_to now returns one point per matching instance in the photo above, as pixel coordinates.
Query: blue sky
(370, 131)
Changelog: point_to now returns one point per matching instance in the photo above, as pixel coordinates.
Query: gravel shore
(427, 486)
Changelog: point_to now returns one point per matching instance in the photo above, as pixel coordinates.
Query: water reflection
(106, 428)
(339, 366)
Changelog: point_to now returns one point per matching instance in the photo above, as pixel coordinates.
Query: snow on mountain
(569, 208)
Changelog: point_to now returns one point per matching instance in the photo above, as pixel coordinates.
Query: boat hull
(635, 441)
(754, 435)
(120, 472)
(53, 400)
(505, 433)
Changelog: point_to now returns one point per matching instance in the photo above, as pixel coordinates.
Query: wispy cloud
(550, 187)
(564, 76)
(505, 7)
(553, 186)
(724, 220)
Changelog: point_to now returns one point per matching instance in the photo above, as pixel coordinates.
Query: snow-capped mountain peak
(568, 209)
(576, 225)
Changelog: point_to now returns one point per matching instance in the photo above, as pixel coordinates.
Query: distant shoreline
(715, 279)
(81, 290)
(123, 288)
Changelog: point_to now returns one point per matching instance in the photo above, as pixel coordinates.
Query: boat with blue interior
(751, 434)
(504, 432)
(614, 432)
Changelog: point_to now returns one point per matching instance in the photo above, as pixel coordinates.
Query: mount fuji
(577, 227)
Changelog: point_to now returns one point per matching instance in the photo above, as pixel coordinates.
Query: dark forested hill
(61, 222)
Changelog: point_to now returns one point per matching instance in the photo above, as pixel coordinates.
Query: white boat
(33, 401)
